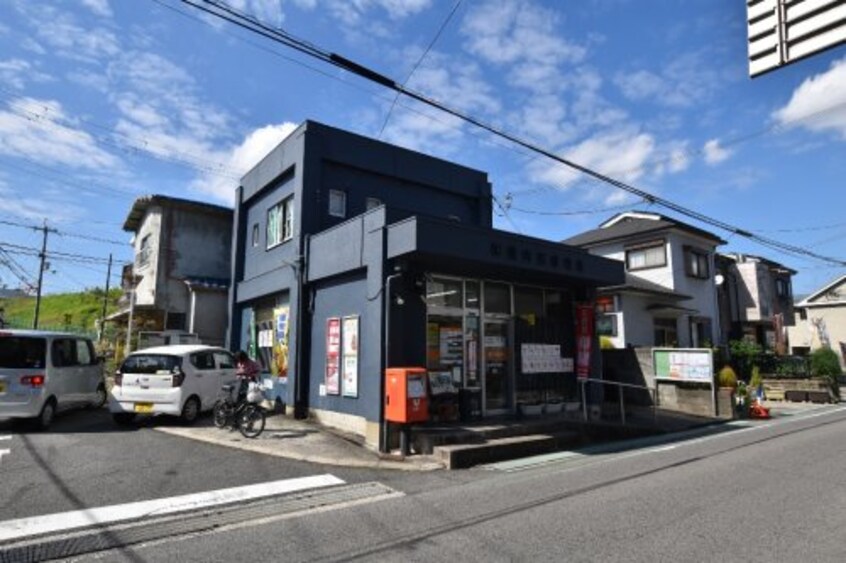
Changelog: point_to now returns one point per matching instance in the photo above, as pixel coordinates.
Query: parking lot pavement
(300, 440)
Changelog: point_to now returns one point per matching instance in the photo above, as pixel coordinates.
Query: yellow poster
(279, 366)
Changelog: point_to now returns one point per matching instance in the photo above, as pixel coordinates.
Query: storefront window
(445, 346)
(471, 346)
(444, 293)
(497, 298)
(528, 303)
(471, 289)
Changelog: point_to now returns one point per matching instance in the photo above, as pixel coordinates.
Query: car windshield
(22, 352)
(151, 363)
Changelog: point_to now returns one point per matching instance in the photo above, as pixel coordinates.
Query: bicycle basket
(255, 393)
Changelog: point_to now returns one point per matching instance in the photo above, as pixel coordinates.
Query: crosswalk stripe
(64, 521)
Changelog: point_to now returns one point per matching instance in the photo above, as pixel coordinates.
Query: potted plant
(742, 400)
(553, 404)
(727, 384)
(530, 405)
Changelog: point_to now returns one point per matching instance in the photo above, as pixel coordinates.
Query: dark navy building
(350, 255)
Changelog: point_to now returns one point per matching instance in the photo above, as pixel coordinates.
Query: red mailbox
(406, 399)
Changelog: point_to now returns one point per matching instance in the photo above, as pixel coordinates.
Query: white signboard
(683, 364)
(784, 31)
(543, 358)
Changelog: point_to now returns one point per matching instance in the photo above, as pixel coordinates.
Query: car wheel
(123, 418)
(48, 412)
(190, 410)
(100, 398)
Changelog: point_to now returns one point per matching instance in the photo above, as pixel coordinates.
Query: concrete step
(459, 456)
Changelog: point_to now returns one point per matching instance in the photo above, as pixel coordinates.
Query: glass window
(84, 356)
(666, 333)
(255, 234)
(373, 203)
(21, 352)
(782, 287)
(528, 303)
(144, 251)
(280, 222)
(64, 351)
(150, 363)
(444, 293)
(696, 263)
(224, 360)
(203, 360)
(471, 294)
(497, 298)
(337, 203)
(646, 257)
(445, 347)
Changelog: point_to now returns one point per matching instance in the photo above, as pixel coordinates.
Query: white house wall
(145, 291)
(702, 291)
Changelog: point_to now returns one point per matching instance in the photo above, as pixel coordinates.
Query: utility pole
(105, 299)
(42, 266)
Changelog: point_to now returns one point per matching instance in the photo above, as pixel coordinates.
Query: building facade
(821, 321)
(351, 255)
(179, 279)
(669, 295)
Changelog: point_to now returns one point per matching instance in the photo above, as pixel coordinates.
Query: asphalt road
(774, 491)
(84, 460)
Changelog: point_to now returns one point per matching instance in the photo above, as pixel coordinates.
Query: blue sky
(105, 100)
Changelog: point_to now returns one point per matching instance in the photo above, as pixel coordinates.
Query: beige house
(821, 320)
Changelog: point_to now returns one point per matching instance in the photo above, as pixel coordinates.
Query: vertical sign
(350, 356)
(333, 356)
(280, 345)
(584, 339)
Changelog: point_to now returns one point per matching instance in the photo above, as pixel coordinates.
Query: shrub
(756, 379)
(726, 377)
(824, 363)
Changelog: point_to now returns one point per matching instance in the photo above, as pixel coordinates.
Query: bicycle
(245, 413)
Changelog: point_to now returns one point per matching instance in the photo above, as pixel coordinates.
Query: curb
(322, 460)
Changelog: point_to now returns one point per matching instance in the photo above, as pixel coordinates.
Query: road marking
(64, 521)
(641, 446)
(9, 437)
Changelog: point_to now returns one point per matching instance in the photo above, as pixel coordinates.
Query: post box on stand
(406, 397)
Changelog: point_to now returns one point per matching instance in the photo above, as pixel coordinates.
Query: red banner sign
(584, 339)
(333, 356)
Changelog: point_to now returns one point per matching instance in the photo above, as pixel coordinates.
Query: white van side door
(89, 371)
(62, 374)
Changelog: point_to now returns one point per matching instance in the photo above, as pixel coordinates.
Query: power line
(66, 233)
(246, 21)
(417, 64)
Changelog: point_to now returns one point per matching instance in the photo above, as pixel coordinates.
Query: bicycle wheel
(222, 413)
(251, 422)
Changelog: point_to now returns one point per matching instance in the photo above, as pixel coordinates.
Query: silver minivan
(42, 373)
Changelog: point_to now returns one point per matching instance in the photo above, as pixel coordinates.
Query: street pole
(43, 256)
(105, 299)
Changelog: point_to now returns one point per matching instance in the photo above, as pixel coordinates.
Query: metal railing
(620, 388)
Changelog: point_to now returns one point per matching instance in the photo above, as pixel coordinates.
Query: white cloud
(687, 80)
(243, 157)
(268, 11)
(524, 37)
(621, 154)
(35, 207)
(714, 153)
(16, 72)
(354, 12)
(99, 7)
(39, 130)
(814, 105)
(75, 42)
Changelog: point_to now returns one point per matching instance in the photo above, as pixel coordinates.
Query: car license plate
(144, 407)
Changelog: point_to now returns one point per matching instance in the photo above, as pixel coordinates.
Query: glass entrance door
(497, 353)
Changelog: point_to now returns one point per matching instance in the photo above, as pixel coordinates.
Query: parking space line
(64, 521)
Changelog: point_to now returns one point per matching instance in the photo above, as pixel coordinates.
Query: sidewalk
(302, 441)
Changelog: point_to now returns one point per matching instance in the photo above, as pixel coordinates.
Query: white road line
(9, 437)
(64, 521)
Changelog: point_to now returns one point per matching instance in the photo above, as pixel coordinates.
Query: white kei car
(180, 380)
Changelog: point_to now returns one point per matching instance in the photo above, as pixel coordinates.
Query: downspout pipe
(301, 390)
(383, 436)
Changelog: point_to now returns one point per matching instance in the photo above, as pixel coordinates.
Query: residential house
(669, 294)
(179, 280)
(351, 255)
(756, 299)
(821, 320)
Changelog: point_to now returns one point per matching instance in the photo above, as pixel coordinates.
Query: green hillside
(76, 311)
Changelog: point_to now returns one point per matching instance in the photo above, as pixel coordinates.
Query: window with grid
(337, 203)
(280, 222)
(653, 256)
(696, 263)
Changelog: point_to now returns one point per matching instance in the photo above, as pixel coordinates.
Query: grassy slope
(83, 308)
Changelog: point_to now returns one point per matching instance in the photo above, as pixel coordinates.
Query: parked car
(181, 380)
(42, 373)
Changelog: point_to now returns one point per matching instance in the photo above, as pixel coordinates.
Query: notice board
(683, 364)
